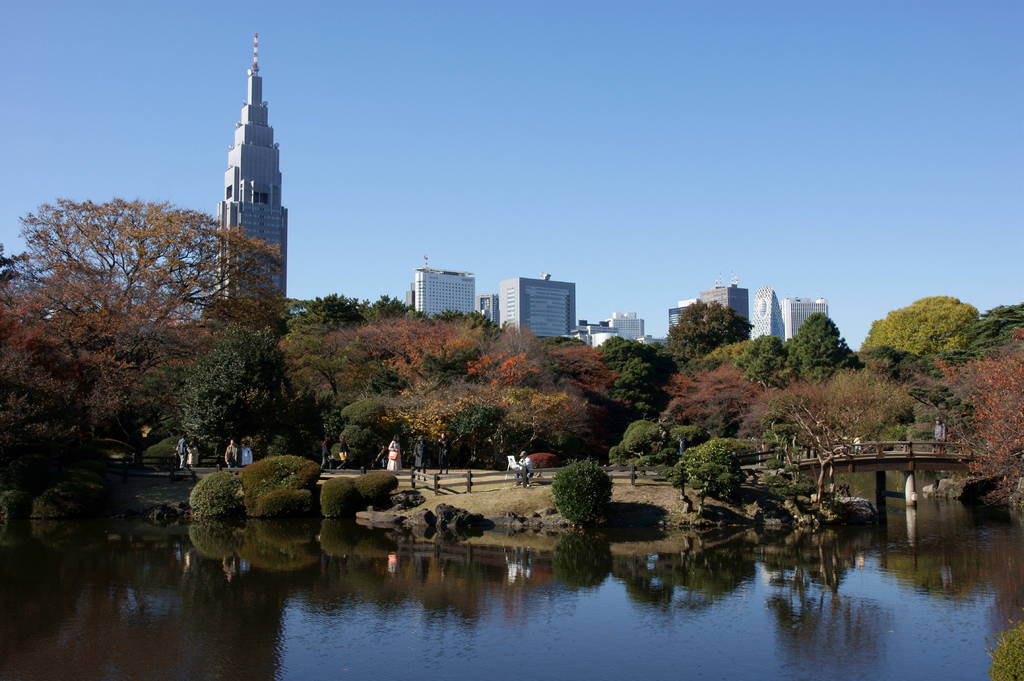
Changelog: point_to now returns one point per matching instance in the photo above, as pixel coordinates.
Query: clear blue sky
(868, 152)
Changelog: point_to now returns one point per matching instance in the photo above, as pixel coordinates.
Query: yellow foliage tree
(924, 327)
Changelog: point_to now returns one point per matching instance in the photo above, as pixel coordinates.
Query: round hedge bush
(162, 452)
(283, 503)
(216, 495)
(277, 472)
(15, 504)
(339, 498)
(581, 492)
(376, 487)
(77, 496)
(712, 469)
(1008, 656)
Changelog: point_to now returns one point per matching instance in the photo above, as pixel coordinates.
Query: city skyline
(509, 140)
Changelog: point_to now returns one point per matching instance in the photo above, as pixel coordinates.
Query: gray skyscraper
(487, 305)
(729, 296)
(548, 308)
(252, 183)
(767, 319)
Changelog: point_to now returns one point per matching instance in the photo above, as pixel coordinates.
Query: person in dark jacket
(420, 457)
(442, 454)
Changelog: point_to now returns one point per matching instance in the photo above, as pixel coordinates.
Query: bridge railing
(850, 451)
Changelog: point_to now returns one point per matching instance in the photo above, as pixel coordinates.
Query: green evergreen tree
(702, 327)
(818, 351)
(763, 361)
(235, 389)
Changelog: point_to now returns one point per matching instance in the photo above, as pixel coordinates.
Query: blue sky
(868, 152)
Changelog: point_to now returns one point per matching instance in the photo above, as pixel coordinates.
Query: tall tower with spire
(251, 200)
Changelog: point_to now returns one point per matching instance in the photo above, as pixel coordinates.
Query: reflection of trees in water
(582, 560)
(126, 600)
(816, 624)
(703, 570)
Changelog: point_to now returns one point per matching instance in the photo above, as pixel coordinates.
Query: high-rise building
(674, 312)
(729, 296)
(767, 319)
(546, 307)
(436, 291)
(629, 325)
(487, 305)
(251, 201)
(796, 310)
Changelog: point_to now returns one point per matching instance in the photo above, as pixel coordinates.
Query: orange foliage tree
(118, 287)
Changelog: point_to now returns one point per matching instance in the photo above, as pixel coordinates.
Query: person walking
(246, 453)
(180, 451)
(420, 457)
(442, 454)
(192, 448)
(940, 432)
(231, 455)
(525, 464)
(343, 453)
(394, 455)
(325, 454)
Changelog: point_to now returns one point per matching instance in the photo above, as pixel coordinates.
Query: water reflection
(246, 599)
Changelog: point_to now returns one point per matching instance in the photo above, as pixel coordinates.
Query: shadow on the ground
(633, 514)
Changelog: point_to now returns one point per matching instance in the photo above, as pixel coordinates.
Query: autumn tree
(994, 386)
(702, 327)
(718, 400)
(926, 326)
(817, 350)
(120, 286)
(827, 416)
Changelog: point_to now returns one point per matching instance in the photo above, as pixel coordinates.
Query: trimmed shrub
(339, 498)
(30, 473)
(77, 496)
(376, 487)
(277, 472)
(694, 435)
(712, 469)
(581, 492)
(283, 503)
(545, 460)
(1008, 656)
(219, 494)
(162, 452)
(15, 504)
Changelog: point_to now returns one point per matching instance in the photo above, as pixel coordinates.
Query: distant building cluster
(251, 203)
(770, 317)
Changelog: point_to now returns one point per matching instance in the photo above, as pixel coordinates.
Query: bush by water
(581, 492)
(216, 495)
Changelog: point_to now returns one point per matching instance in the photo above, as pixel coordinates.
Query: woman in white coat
(394, 455)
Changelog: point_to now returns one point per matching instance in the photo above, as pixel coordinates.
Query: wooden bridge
(907, 456)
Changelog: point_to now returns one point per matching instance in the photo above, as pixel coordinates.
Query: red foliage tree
(995, 387)
(717, 400)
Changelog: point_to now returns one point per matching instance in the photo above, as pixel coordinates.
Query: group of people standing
(187, 450)
(423, 454)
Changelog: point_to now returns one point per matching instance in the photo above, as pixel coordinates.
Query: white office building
(629, 325)
(594, 334)
(436, 291)
(796, 310)
(767, 317)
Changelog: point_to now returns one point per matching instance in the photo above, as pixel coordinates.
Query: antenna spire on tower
(255, 51)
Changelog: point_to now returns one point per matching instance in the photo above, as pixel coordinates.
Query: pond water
(915, 599)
